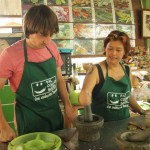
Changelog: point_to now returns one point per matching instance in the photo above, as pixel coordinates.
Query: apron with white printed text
(37, 105)
(112, 100)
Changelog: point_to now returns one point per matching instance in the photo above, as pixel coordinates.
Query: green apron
(37, 105)
(112, 100)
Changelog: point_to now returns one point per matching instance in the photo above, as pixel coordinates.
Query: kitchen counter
(106, 141)
(107, 133)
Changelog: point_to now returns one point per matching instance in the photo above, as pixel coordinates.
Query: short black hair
(116, 35)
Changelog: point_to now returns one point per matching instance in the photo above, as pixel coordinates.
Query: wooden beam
(137, 9)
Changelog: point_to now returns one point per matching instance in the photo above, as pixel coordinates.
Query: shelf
(81, 73)
(86, 56)
(11, 26)
(10, 16)
(9, 35)
(141, 70)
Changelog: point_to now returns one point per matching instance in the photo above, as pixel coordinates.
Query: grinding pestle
(88, 117)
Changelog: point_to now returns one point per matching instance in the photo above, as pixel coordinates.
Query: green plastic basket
(7, 98)
(37, 140)
(6, 95)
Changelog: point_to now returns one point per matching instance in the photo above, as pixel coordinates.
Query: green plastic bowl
(37, 140)
(74, 95)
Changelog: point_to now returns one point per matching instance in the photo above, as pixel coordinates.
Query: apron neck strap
(106, 68)
(49, 51)
(25, 50)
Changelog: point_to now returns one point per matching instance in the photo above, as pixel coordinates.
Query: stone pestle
(88, 117)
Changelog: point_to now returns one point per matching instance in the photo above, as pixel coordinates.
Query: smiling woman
(107, 85)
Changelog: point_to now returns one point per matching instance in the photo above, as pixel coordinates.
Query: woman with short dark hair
(107, 85)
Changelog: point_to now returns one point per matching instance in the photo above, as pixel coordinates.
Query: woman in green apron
(34, 68)
(107, 85)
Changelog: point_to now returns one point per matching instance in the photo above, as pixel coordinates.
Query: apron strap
(50, 51)
(25, 50)
(124, 69)
(106, 68)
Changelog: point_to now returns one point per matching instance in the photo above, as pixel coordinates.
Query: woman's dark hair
(119, 36)
(40, 19)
